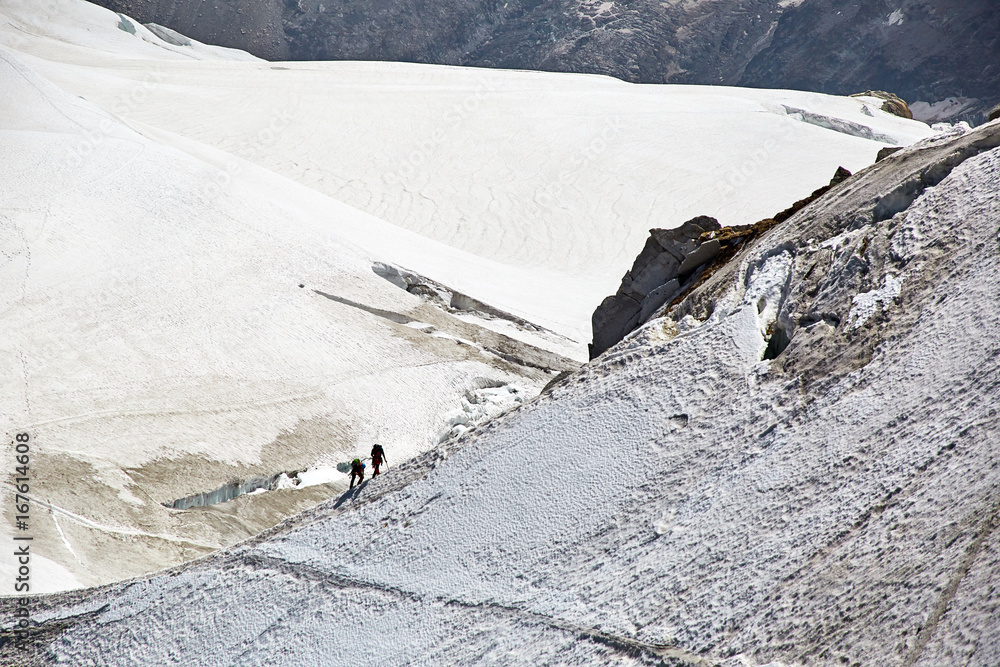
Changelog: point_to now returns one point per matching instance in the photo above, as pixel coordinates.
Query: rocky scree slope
(700, 505)
(941, 52)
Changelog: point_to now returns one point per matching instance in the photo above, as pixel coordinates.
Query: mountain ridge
(941, 53)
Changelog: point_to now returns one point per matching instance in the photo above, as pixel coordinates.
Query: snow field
(162, 205)
(152, 329)
(680, 492)
(553, 178)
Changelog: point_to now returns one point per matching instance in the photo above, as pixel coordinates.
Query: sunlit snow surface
(161, 206)
(555, 178)
(677, 499)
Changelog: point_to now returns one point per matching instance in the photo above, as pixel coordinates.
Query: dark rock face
(995, 112)
(883, 153)
(675, 261)
(643, 41)
(922, 50)
(442, 31)
(926, 50)
(816, 323)
(251, 25)
(666, 263)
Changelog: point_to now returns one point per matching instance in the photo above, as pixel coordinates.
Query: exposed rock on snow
(672, 262)
(815, 315)
(837, 504)
(891, 103)
(866, 304)
(666, 261)
(886, 152)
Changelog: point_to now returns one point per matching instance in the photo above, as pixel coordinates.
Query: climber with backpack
(378, 458)
(357, 470)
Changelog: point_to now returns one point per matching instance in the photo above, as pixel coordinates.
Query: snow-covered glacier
(677, 501)
(189, 241)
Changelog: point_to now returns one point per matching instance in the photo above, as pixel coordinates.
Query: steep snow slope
(191, 305)
(162, 340)
(678, 501)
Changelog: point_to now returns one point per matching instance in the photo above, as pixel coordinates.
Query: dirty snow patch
(479, 406)
(286, 482)
(865, 304)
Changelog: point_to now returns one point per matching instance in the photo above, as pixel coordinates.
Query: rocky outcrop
(994, 113)
(674, 261)
(883, 153)
(891, 103)
(868, 248)
(666, 262)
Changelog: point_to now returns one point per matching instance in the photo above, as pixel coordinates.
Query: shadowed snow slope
(188, 239)
(678, 501)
